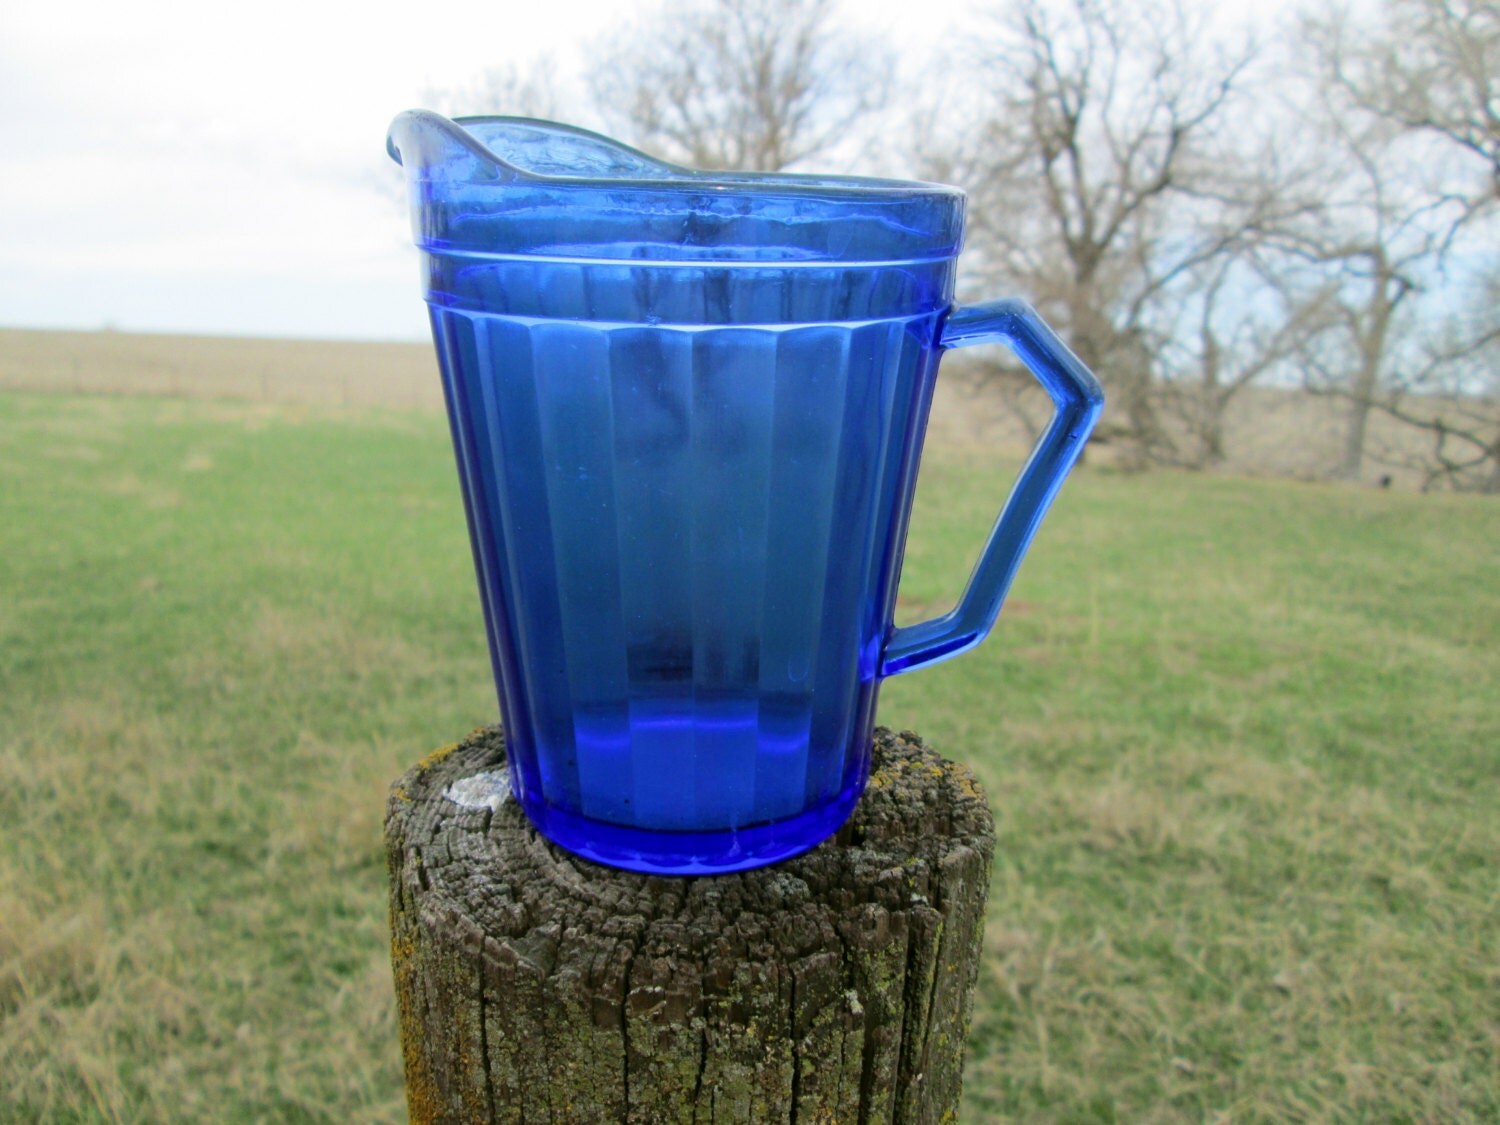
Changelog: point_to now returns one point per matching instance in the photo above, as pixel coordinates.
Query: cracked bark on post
(539, 988)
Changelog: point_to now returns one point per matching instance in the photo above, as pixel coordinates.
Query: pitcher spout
(511, 149)
(430, 147)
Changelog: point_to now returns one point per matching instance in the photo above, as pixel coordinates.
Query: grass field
(1242, 739)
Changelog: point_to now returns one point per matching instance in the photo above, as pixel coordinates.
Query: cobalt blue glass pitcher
(687, 409)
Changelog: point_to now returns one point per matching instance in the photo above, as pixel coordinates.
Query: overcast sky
(168, 165)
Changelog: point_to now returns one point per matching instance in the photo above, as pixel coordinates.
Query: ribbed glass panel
(734, 383)
(652, 388)
(802, 544)
(573, 382)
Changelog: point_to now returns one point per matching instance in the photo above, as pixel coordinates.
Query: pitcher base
(655, 852)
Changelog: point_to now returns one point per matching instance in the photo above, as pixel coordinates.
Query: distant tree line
(1196, 210)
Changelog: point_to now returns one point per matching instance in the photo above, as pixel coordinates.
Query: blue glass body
(687, 412)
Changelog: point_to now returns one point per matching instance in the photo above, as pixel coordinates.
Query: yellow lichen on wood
(964, 781)
(422, 1101)
(435, 757)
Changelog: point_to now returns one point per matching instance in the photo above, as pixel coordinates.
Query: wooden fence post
(538, 988)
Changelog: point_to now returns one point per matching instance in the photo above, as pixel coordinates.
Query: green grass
(1242, 739)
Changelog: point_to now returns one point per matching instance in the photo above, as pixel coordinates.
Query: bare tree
(1411, 148)
(755, 85)
(1104, 185)
(509, 90)
(1451, 391)
(1239, 322)
(1432, 69)
(1368, 246)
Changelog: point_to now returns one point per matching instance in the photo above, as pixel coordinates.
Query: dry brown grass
(347, 373)
(1270, 433)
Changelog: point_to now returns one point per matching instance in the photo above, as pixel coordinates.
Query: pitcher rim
(682, 177)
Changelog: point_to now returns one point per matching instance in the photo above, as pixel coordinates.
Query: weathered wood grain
(539, 988)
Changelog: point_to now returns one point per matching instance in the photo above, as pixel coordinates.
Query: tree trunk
(540, 988)
(1351, 463)
(1372, 347)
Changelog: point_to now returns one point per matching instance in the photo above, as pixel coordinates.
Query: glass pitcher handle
(1078, 399)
